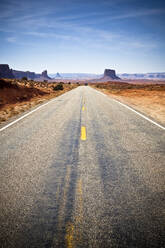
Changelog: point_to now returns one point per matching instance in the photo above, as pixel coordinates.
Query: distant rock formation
(6, 72)
(31, 75)
(45, 75)
(75, 76)
(107, 76)
(58, 75)
(27, 74)
(110, 74)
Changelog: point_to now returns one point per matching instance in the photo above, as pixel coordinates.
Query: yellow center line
(73, 231)
(83, 133)
(79, 194)
(83, 108)
(70, 235)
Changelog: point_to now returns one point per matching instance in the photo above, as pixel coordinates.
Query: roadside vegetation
(59, 87)
(145, 97)
(17, 96)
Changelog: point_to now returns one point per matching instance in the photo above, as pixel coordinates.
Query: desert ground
(17, 96)
(148, 97)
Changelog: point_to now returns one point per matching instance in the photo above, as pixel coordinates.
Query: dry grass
(17, 96)
(149, 99)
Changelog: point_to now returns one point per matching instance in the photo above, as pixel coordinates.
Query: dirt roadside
(17, 96)
(148, 99)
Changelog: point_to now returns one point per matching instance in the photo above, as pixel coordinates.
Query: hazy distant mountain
(88, 76)
(76, 76)
(152, 75)
(57, 76)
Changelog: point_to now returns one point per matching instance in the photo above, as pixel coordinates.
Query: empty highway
(82, 171)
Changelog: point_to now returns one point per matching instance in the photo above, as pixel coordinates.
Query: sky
(83, 35)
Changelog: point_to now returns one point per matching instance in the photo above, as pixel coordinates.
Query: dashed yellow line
(83, 133)
(79, 195)
(83, 108)
(79, 188)
(73, 230)
(70, 235)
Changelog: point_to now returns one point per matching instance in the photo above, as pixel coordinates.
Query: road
(82, 171)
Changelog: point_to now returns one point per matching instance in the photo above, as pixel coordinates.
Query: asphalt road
(82, 171)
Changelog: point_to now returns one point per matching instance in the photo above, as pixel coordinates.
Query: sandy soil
(17, 96)
(148, 99)
(144, 81)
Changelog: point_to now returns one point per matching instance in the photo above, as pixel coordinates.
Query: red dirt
(17, 96)
(147, 98)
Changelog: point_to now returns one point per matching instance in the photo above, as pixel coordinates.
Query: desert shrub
(31, 84)
(24, 78)
(5, 84)
(58, 87)
(69, 83)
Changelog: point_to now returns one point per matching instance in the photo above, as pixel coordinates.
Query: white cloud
(135, 14)
(53, 35)
(11, 39)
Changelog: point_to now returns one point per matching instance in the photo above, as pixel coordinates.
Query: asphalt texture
(103, 186)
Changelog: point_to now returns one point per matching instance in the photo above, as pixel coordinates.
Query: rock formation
(110, 74)
(21, 74)
(31, 75)
(58, 75)
(5, 71)
(45, 75)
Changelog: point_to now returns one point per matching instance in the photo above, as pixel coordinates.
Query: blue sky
(83, 36)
